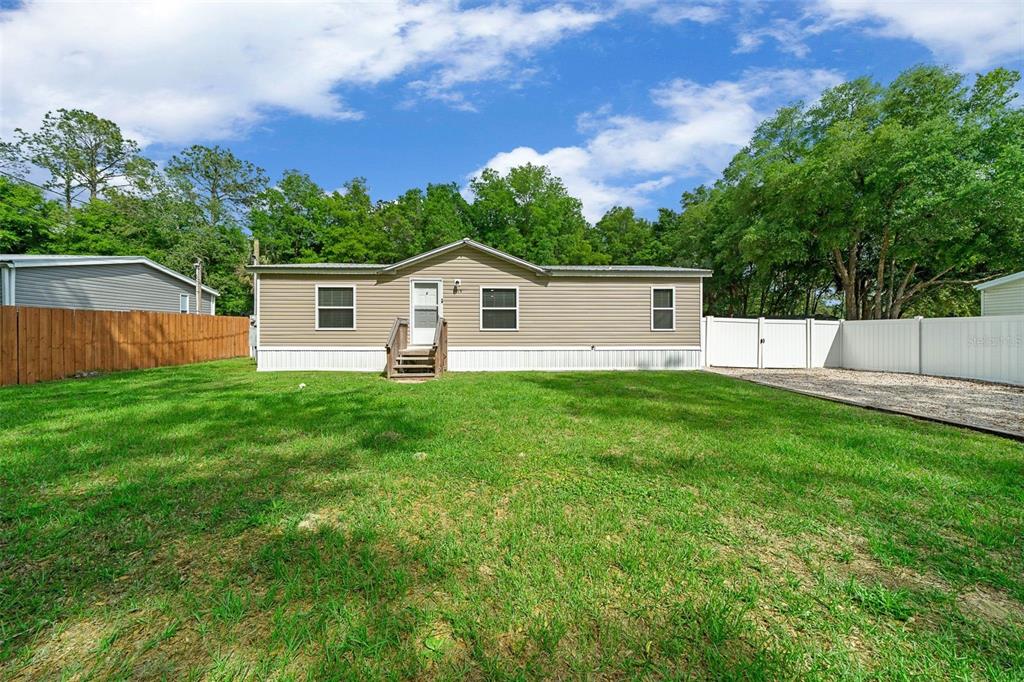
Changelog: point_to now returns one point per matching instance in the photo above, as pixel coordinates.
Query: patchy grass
(209, 522)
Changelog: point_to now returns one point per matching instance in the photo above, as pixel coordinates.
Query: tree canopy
(876, 201)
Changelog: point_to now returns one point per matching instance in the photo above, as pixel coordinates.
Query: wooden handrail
(437, 333)
(393, 336)
(394, 339)
(440, 347)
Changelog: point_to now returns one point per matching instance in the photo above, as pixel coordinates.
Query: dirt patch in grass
(991, 605)
(327, 517)
(68, 644)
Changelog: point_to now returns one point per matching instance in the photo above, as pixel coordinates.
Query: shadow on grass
(100, 477)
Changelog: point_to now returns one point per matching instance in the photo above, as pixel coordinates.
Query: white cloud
(626, 158)
(176, 71)
(789, 35)
(970, 34)
(706, 12)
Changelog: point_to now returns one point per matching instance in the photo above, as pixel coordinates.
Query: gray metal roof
(627, 269)
(29, 260)
(1001, 280)
(550, 270)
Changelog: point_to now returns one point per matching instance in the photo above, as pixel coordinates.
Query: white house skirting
(328, 359)
(567, 358)
(486, 359)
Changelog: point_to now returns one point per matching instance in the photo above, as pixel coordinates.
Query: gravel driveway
(957, 400)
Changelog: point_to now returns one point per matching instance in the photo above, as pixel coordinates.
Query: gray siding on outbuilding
(1004, 299)
(120, 286)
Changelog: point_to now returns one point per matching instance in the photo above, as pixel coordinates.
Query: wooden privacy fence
(38, 344)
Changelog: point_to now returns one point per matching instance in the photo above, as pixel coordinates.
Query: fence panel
(785, 343)
(990, 348)
(881, 345)
(732, 342)
(825, 343)
(37, 344)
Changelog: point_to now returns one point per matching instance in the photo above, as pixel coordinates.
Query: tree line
(876, 201)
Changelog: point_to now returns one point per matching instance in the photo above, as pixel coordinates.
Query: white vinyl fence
(760, 342)
(988, 348)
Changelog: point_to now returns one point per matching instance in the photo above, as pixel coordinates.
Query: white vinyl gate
(763, 343)
(988, 348)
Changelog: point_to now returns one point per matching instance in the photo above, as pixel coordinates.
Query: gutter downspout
(7, 283)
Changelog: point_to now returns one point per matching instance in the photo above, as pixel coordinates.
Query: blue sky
(631, 102)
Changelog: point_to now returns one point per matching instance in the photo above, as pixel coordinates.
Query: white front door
(426, 310)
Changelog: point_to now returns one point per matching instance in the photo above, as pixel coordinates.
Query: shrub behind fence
(38, 344)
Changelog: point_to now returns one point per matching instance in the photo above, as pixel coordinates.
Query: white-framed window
(335, 307)
(182, 303)
(499, 309)
(663, 309)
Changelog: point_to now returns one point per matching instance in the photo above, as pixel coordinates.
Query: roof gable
(1000, 280)
(468, 243)
(543, 270)
(42, 260)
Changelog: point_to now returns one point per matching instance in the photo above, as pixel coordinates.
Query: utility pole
(255, 251)
(199, 286)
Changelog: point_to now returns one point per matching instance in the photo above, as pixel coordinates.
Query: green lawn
(211, 522)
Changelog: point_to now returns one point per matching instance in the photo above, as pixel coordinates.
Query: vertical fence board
(44, 370)
(8, 345)
(57, 343)
(68, 342)
(37, 344)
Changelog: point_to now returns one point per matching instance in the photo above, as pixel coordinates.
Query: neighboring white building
(1003, 296)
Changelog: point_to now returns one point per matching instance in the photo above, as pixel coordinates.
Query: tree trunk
(883, 253)
(848, 277)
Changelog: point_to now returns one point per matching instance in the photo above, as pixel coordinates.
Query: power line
(42, 187)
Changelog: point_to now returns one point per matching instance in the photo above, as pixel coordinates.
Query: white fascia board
(1001, 280)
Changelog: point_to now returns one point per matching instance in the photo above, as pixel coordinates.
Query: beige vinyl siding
(553, 311)
(1004, 299)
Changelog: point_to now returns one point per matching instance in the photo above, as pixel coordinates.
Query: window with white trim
(663, 309)
(499, 308)
(182, 303)
(335, 307)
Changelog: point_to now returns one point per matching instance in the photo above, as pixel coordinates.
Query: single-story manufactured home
(469, 307)
(1003, 296)
(99, 283)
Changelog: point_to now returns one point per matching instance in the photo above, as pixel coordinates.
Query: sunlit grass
(208, 521)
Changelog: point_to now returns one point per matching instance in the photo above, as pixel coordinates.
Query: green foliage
(875, 201)
(528, 213)
(287, 219)
(219, 184)
(881, 193)
(81, 152)
(26, 217)
(622, 237)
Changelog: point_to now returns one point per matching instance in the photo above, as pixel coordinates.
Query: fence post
(760, 343)
(709, 322)
(841, 332)
(810, 343)
(920, 333)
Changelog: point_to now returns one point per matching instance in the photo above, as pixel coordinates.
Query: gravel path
(971, 402)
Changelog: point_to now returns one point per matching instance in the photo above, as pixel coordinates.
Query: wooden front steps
(416, 363)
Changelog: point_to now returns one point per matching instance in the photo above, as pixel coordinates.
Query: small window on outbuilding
(335, 307)
(183, 305)
(663, 309)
